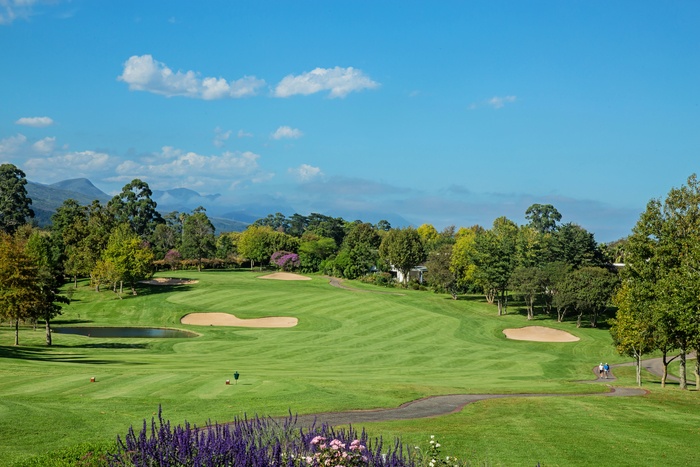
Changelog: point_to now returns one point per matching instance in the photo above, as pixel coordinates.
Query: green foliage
(14, 202)
(402, 248)
(198, 239)
(135, 207)
(494, 259)
(543, 217)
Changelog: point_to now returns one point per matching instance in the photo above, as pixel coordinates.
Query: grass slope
(351, 350)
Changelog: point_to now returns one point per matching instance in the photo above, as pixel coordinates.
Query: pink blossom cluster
(335, 454)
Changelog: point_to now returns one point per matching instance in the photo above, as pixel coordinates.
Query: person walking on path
(606, 369)
(601, 369)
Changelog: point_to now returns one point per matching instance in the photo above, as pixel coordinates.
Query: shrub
(285, 260)
(257, 442)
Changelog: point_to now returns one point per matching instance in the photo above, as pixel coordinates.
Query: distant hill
(46, 199)
(225, 218)
(82, 186)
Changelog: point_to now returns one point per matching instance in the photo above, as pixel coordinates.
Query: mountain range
(46, 199)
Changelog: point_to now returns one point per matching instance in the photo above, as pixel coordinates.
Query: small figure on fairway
(601, 369)
(606, 369)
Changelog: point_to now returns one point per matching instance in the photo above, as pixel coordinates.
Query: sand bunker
(168, 281)
(225, 319)
(285, 276)
(539, 334)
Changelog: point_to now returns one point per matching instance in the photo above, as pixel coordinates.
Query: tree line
(554, 268)
(659, 300)
(122, 242)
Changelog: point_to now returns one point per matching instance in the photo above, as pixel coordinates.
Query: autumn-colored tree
(19, 291)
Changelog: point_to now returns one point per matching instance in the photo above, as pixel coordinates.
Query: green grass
(350, 350)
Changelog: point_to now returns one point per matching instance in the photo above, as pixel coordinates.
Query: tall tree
(528, 282)
(361, 244)
(663, 256)
(543, 217)
(439, 274)
(403, 248)
(49, 279)
(135, 206)
(494, 257)
(128, 257)
(255, 244)
(462, 258)
(19, 290)
(632, 329)
(198, 239)
(576, 246)
(14, 202)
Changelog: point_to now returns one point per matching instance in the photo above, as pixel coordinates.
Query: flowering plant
(336, 454)
(285, 260)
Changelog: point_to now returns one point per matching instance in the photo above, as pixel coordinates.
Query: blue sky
(449, 113)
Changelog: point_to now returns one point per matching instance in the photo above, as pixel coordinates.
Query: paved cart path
(434, 406)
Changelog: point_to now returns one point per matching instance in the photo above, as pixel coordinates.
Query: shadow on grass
(78, 320)
(51, 354)
(145, 289)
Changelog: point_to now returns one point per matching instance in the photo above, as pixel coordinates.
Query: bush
(258, 442)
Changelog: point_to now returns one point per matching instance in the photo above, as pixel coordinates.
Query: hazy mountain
(82, 186)
(47, 198)
(225, 218)
(181, 200)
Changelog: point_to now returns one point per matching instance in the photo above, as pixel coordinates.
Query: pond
(116, 331)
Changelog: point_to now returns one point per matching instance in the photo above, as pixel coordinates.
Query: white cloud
(285, 132)
(497, 102)
(11, 10)
(174, 167)
(69, 165)
(305, 172)
(11, 145)
(36, 122)
(143, 73)
(220, 137)
(44, 146)
(244, 134)
(339, 81)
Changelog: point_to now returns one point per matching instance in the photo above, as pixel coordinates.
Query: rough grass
(351, 350)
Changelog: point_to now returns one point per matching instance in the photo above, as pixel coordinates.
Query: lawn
(351, 350)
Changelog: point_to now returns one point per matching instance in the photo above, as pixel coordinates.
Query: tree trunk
(665, 362)
(697, 370)
(17, 332)
(638, 358)
(578, 320)
(75, 281)
(560, 314)
(48, 332)
(490, 295)
(684, 381)
(594, 318)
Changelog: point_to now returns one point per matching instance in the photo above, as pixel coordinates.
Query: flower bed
(264, 442)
